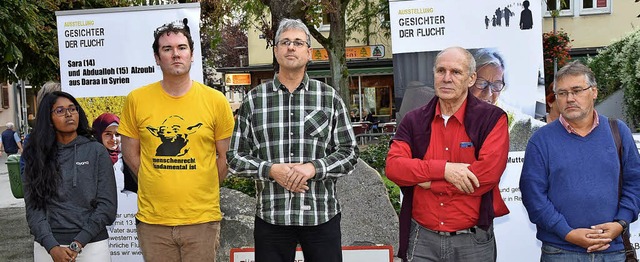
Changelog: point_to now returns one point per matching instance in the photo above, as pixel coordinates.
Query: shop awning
(355, 72)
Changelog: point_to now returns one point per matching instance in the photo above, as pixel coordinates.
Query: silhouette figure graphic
(526, 19)
(185, 22)
(507, 15)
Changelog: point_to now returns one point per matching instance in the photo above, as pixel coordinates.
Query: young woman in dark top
(70, 191)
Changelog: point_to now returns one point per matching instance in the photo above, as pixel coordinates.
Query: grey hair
(10, 125)
(576, 68)
(48, 87)
(287, 24)
(489, 56)
(471, 61)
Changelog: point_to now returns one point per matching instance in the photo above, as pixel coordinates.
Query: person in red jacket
(448, 157)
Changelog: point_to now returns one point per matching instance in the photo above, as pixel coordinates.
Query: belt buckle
(447, 234)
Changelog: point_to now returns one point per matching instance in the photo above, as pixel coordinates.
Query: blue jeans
(554, 254)
(425, 245)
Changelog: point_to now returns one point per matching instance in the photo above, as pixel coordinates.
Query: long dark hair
(42, 171)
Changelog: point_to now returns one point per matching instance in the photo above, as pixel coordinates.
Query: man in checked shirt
(294, 138)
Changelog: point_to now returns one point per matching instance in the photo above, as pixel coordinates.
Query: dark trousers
(278, 243)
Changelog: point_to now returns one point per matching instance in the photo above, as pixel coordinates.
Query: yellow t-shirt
(178, 177)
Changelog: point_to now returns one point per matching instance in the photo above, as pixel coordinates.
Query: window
(589, 7)
(325, 24)
(564, 6)
(583, 7)
(5, 96)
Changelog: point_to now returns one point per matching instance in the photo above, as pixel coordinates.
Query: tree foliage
(313, 13)
(225, 46)
(618, 66)
(555, 47)
(28, 36)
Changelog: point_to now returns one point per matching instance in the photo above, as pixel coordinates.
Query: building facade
(369, 63)
(591, 24)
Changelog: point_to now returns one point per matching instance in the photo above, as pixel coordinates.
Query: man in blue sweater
(570, 177)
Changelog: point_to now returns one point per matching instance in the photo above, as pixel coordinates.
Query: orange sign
(237, 79)
(370, 51)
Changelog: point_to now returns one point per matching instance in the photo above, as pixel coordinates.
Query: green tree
(29, 36)
(618, 66)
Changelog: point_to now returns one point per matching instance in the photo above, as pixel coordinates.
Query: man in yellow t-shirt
(172, 131)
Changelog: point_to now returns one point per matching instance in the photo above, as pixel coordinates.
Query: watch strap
(623, 223)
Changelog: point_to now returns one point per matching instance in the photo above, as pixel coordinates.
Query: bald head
(470, 62)
(454, 72)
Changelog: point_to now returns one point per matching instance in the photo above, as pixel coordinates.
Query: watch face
(74, 246)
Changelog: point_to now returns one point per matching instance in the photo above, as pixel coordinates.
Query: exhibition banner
(512, 32)
(495, 26)
(106, 53)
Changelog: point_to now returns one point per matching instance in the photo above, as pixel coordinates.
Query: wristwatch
(75, 246)
(623, 223)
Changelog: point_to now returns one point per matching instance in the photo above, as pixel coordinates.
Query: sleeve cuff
(83, 237)
(263, 170)
(320, 170)
(49, 242)
(436, 169)
(562, 229)
(625, 215)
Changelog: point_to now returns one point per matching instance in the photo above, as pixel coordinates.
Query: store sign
(237, 79)
(353, 52)
(349, 254)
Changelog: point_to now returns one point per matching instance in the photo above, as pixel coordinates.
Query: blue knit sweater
(570, 182)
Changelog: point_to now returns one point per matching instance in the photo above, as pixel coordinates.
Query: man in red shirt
(448, 157)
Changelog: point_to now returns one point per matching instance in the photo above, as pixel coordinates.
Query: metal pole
(16, 111)
(22, 113)
(555, 59)
(360, 96)
(23, 107)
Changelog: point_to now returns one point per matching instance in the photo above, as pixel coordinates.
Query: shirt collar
(278, 85)
(570, 129)
(458, 114)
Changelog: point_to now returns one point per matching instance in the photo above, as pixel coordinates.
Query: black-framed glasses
(496, 86)
(61, 110)
(574, 92)
(296, 43)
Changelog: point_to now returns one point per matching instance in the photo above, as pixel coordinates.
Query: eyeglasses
(296, 43)
(167, 27)
(575, 92)
(61, 111)
(496, 86)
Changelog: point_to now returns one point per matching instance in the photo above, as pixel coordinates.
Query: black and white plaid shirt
(309, 125)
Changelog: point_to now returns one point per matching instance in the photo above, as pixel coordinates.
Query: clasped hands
(596, 238)
(62, 254)
(293, 176)
(459, 175)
